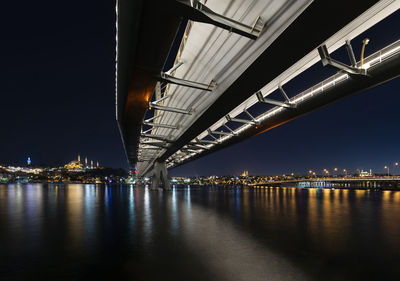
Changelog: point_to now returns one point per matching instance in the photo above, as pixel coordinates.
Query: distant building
(28, 161)
(245, 174)
(74, 165)
(77, 165)
(365, 173)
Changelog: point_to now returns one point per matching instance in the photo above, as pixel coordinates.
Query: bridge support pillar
(160, 175)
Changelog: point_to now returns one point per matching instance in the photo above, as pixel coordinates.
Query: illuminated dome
(74, 165)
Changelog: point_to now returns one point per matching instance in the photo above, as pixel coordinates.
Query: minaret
(85, 161)
(97, 164)
(79, 158)
(91, 164)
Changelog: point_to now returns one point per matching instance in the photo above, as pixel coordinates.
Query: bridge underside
(145, 44)
(345, 85)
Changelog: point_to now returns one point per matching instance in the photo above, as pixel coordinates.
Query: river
(77, 232)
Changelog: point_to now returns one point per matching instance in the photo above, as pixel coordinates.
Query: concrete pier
(160, 176)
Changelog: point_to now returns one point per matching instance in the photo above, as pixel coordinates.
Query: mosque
(78, 166)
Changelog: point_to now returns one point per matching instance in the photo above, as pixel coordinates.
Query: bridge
(193, 77)
(390, 182)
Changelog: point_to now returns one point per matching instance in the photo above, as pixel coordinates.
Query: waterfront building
(74, 165)
(365, 173)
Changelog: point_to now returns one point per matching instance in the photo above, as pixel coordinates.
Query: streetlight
(335, 169)
(365, 42)
(395, 165)
(388, 170)
(345, 171)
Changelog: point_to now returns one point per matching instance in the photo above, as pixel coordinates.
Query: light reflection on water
(75, 231)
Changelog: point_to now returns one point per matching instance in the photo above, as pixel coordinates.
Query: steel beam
(274, 102)
(239, 120)
(210, 134)
(144, 160)
(156, 137)
(206, 141)
(170, 109)
(152, 118)
(350, 52)
(158, 125)
(220, 133)
(328, 61)
(151, 148)
(248, 114)
(190, 150)
(156, 144)
(191, 84)
(175, 67)
(197, 11)
(161, 99)
(232, 131)
(196, 145)
(284, 94)
(145, 132)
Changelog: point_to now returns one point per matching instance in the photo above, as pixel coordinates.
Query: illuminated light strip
(116, 59)
(384, 56)
(319, 88)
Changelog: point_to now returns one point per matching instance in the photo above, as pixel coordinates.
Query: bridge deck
(212, 55)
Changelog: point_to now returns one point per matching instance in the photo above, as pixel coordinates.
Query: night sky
(58, 100)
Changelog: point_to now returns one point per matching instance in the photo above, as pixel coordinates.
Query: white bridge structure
(191, 75)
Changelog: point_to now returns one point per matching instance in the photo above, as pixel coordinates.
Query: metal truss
(196, 146)
(186, 83)
(148, 130)
(221, 133)
(286, 104)
(170, 109)
(350, 52)
(160, 144)
(206, 141)
(328, 61)
(229, 129)
(159, 125)
(151, 148)
(156, 137)
(239, 120)
(152, 118)
(197, 11)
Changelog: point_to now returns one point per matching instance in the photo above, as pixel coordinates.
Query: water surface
(75, 232)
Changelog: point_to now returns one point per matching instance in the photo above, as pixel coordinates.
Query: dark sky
(57, 100)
